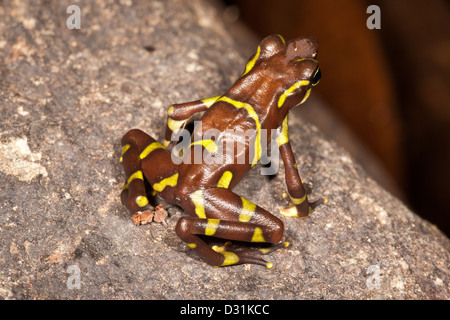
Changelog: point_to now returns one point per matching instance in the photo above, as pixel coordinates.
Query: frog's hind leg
(230, 217)
(136, 146)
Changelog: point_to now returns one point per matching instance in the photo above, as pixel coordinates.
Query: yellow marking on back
(170, 181)
(298, 201)
(254, 116)
(289, 91)
(211, 226)
(152, 146)
(249, 66)
(210, 101)
(209, 145)
(191, 245)
(284, 137)
(248, 209)
(141, 201)
(258, 235)
(136, 175)
(197, 200)
(225, 180)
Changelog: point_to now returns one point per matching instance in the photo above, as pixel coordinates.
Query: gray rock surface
(67, 97)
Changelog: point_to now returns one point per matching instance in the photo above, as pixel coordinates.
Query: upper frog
(276, 78)
(283, 71)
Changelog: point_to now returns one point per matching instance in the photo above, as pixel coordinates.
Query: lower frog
(278, 77)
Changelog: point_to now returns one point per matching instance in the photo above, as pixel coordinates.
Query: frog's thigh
(223, 214)
(133, 194)
(225, 205)
(138, 149)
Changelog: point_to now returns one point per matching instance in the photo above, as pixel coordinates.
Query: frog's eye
(316, 77)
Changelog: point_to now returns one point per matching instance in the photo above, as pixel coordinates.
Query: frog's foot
(239, 254)
(274, 247)
(318, 202)
(294, 211)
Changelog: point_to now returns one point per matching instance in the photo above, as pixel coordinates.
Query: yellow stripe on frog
(197, 200)
(258, 235)
(289, 91)
(152, 146)
(210, 101)
(230, 258)
(225, 180)
(124, 149)
(211, 226)
(298, 201)
(170, 181)
(248, 209)
(174, 125)
(282, 39)
(141, 201)
(137, 175)
(209, 145)
(284, 137)
(249, 66)
(252, 113)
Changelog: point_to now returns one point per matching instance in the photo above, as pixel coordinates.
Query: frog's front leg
(302, 207)
(223, 214)
(179, 114)
(139, 154)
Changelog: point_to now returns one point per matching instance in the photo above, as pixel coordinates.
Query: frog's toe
(253, 256)
(289, 211)
(293, 211)
(318, 202)
(245, 255)
(274, 247)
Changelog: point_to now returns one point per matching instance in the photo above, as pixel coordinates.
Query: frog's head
(290, 66)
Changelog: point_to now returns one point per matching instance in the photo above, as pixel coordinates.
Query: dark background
(390, 86)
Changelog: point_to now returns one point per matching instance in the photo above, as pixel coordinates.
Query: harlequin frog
(276, 78)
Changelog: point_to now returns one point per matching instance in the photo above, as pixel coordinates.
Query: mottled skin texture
(278, 77)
